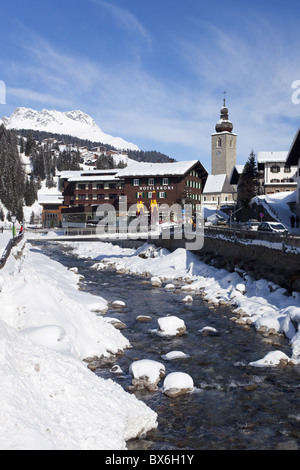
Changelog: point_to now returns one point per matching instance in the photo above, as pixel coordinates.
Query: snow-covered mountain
(74, 123)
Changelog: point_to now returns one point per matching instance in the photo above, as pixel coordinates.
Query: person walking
(292, 221)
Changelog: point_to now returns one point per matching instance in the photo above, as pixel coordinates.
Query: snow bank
(261, 303)
(49, 398)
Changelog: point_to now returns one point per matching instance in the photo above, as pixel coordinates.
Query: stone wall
(259, 261)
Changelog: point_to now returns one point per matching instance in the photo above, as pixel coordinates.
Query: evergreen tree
(30, 145)
(248, 182)
(12, 177)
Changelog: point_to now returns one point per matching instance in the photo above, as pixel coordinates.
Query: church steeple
(223, 145)
(224, 125)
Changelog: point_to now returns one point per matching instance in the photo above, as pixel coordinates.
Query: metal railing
(252, 236)
(13, 242)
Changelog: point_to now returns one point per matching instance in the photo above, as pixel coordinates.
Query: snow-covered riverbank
(49, 398)
(261, 303)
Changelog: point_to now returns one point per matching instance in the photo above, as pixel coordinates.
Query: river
(234, 406)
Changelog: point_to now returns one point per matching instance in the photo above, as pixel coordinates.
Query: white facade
(278, 176)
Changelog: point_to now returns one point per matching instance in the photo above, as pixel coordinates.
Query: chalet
(52, 209)
(276, 173)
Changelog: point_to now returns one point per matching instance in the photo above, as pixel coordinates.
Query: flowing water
(234, 406)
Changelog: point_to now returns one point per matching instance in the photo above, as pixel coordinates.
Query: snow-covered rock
(272, 359)
(155, 281)
(177, 383)
(170, 356)
(146, 373)
(118, 304)
(171, 326)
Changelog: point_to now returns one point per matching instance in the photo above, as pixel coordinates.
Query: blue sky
(154, 72)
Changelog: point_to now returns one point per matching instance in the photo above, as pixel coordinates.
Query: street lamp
(13, 219)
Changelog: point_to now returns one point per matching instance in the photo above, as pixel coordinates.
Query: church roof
(217, 184)
(224, 125)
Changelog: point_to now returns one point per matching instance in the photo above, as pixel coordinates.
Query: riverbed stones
(118, 304)
(143, 318)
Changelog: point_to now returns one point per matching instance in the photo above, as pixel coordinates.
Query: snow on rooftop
(265, 157)
(214, 184)
(153, 169)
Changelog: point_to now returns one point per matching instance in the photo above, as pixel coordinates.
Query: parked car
(274, 227)
(221, 221)
(251, 225)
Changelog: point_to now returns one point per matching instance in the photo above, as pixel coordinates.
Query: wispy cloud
(31, 96)
(127, 21)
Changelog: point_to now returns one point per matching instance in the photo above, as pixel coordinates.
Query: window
(162, 195)
(287, 169)
(136, 182)
(149, 195)
(100, 185)
(113, 196)
(219, 143)
(150, 181)
(275, 169)
(231, 143)
(81, 197)
(112, 185)
(81, 186)
(165, 181)
(100, 196)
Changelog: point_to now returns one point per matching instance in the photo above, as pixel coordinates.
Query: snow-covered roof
(214, 184)
(87, 174)
(50, 198)
(269, 157)
(223, 132)
(87, 177)
(239, 168)
(154, 169)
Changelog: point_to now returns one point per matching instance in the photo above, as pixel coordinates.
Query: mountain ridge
(75, 123)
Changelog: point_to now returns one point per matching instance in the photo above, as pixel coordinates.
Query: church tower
(223, 146)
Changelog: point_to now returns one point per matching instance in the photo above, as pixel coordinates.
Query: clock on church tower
(223, 145)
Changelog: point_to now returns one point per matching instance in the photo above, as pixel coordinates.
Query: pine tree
(248, 182)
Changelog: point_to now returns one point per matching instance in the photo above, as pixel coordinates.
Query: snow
(277, 205)
(214, 184)
(170, 326)
(265, 157)
(177, 383)
(264, 304)
(49, 398)
(154, 169)
(153, 370)
(74, 123)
